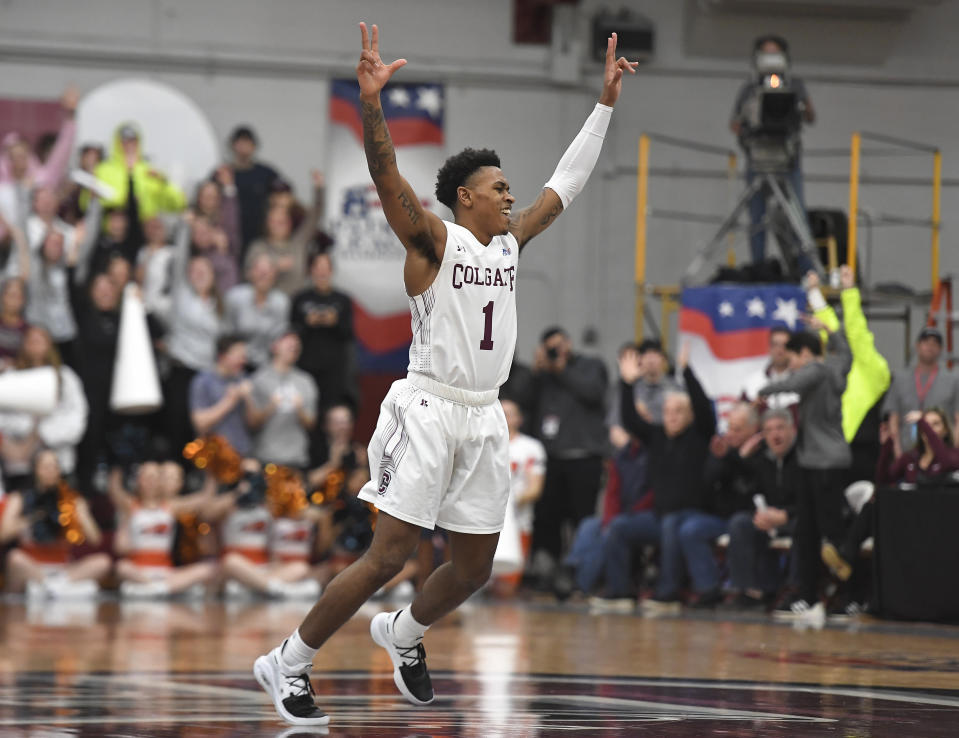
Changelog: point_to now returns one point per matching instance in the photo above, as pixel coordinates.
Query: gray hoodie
(820, 385)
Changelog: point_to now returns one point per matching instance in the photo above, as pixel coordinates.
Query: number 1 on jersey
(487, 343)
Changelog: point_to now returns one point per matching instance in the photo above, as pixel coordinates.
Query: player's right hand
(371, 72)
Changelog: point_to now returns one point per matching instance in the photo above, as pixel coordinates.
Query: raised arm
(800, 381)
(421, 232)
(122, 500)
(195, 502)
(85, 238)
(629, 374)
(704, 417)
(577, 163)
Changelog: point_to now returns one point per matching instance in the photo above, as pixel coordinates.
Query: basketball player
(439, 455)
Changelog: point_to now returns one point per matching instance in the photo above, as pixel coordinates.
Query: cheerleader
(145, 535)
(51, 521)
(262, 554)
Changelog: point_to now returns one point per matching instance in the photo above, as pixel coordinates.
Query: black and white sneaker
(292, 694)
(846, 610)
(410, 674)
(800, 611)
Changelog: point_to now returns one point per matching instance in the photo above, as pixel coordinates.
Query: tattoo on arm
(548, 216)
(407, 204)
(380, 155)
(537, 217)
(381, 159)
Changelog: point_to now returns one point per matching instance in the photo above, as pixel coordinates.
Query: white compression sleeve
(577, 163)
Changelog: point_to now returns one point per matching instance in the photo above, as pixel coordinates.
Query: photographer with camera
(569, 391)
(767, 118)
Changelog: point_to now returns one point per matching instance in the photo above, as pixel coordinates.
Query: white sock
(295, 656)
(405, 628)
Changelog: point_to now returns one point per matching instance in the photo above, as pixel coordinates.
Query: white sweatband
(577, 163)
(815, 298)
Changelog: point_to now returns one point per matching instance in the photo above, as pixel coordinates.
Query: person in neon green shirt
(869, 377)
(126, 166)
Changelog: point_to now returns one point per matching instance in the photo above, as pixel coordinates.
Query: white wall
(267, 63)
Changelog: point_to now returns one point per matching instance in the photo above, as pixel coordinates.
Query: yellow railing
(934, 224)
(643, 211)
(669, 294)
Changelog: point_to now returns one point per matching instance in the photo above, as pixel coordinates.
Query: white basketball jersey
(151, 530)
(464, 325)
(291, 540)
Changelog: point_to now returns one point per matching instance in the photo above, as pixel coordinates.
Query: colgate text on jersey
(464, 274)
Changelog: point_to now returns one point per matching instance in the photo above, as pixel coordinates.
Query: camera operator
(570, 391)
(771, 63)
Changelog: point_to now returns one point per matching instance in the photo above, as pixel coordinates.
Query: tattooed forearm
(407, 204)
(536, 218)
(549, 215)
(380, 155)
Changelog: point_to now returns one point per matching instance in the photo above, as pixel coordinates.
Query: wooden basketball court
(521, 669)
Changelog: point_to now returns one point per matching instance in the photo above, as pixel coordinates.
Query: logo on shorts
(424, 403)
(385, 480)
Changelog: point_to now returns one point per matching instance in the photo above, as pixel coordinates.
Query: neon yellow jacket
(869, 376)
(154, 194)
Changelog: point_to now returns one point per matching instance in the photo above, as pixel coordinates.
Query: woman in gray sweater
(195, 321)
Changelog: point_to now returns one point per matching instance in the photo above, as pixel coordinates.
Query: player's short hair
(804, 339)
(458, 169)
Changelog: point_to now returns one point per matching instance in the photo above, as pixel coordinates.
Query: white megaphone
(508, 558)
(136, 385)
(31, 391)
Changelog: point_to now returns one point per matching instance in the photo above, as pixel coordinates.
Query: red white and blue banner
(727, 328)
(369, 257)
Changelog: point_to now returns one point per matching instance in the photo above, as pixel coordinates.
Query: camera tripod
(785, 216)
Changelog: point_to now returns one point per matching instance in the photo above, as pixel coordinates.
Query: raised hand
(811, 280)
(371, 72)
(751, 444)
(682, 361)
(913, 416)
(847, 279)
(613, 74)
(814, 324)
(629, 366)
(69, 100)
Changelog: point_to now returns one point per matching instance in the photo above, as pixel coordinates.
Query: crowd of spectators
(774, 512)
(626, 492)
(254, 348)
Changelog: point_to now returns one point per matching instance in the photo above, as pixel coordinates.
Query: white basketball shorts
(436, 461)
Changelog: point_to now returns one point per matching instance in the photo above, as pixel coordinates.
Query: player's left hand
(613, 74)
